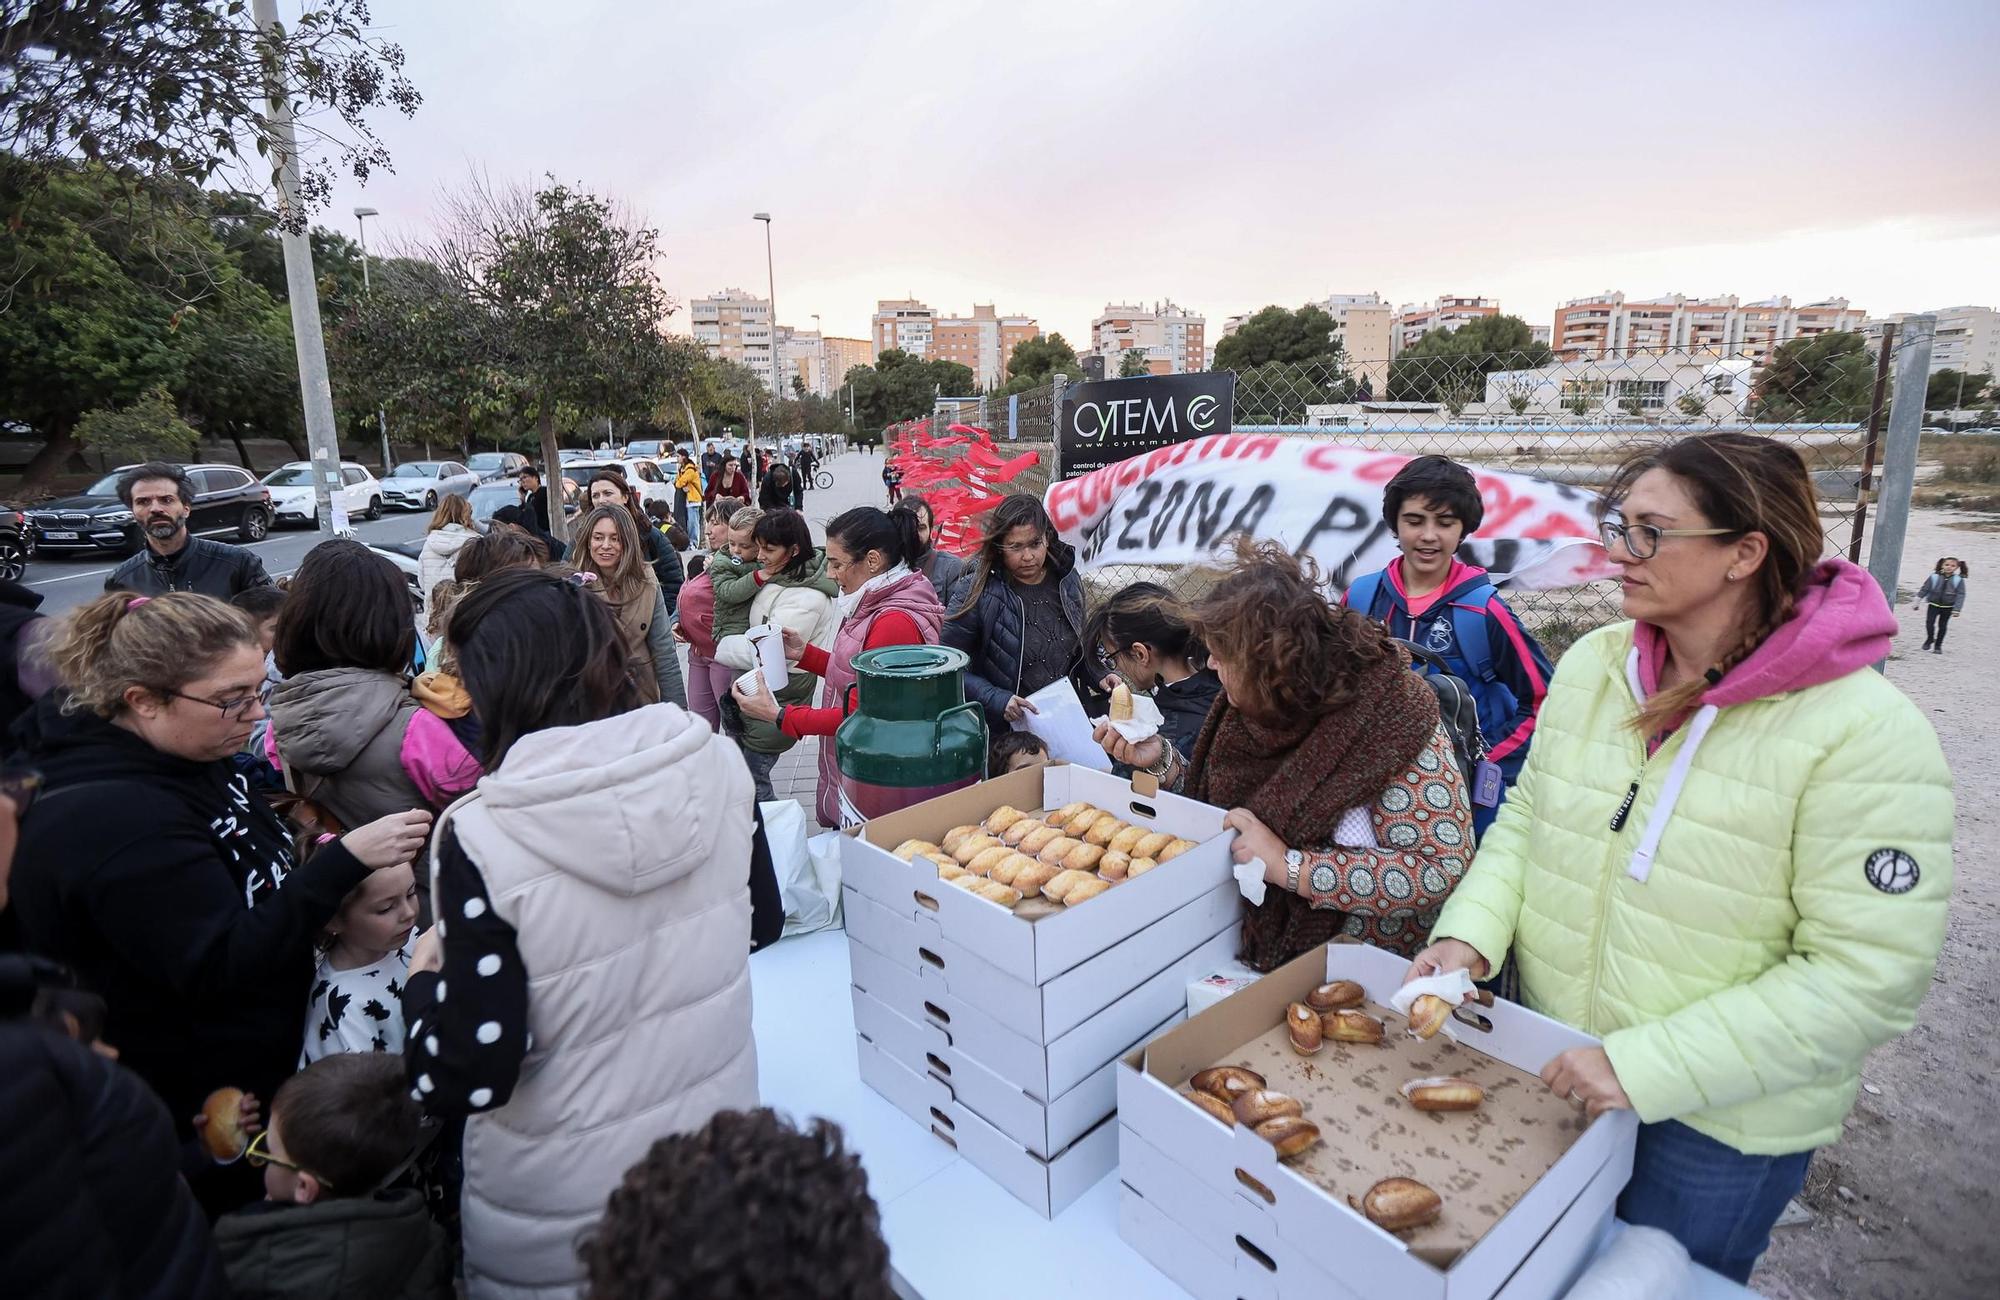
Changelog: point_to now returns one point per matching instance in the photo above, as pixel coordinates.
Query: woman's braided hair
(1745, 483)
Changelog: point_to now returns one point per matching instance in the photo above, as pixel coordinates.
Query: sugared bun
(223, 1135)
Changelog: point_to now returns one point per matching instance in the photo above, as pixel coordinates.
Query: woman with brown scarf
(609, 550)
(1328, 753)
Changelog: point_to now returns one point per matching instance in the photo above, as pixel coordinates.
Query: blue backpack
(1468, 626)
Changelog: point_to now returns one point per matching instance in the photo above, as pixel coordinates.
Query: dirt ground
(1906, 1204)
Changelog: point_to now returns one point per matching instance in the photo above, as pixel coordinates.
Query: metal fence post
(1867, 480)
(1055, 427)
(1899, 454)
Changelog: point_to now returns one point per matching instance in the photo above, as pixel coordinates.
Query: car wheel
(430, 500)
(13, 560)
(255, 525)
(374, 510)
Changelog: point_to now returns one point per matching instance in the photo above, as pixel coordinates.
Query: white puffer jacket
(440, 553)
(619, 851)
(808, 612)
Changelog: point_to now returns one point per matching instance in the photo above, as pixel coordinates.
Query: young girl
(357, 995)
(1941, 596)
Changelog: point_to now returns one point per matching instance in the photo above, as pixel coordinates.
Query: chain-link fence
(1569, 420)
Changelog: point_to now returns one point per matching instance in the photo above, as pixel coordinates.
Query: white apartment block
(1172, 337)
(1968, 338)
(736, 326)
(802, 356)
(1609, 325)
(1670, 386)
(903, 323)
(1449, 312)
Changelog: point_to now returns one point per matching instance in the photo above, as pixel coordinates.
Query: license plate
(59, 537)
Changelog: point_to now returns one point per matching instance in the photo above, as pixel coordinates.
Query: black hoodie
(170, 889)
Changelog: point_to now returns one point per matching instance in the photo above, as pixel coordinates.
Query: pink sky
(1051, 157)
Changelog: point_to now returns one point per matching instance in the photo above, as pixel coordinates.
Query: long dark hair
(1016, 511)
(865, 528)
(1964, 570)
(347, 607)
(1145, 613)
(786, 528)
(910, 504)
(537, 651)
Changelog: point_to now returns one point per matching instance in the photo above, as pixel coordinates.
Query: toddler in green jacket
(733, 575)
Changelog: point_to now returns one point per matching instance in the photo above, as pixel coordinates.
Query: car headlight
(116, 518)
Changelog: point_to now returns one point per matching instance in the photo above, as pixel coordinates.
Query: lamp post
(771, 278)
(361, 216)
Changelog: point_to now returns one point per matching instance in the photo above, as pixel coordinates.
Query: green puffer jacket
(735, 586)
(1791, 913)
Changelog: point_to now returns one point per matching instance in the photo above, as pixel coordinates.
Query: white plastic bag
(809, 884)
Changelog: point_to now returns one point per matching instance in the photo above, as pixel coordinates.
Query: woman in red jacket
(882, 602)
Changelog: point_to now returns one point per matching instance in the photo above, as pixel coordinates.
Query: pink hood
(1842, 623)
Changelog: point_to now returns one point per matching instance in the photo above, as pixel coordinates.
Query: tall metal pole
(1899, 455)
(315, 390)
(771, 277)
(361, 216)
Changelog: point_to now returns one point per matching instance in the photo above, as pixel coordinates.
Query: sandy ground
(1905, 1205)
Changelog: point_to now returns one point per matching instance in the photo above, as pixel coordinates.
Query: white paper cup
(769, 639)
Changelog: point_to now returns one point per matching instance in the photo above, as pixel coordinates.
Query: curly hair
(1295, 653)
(745, 1208)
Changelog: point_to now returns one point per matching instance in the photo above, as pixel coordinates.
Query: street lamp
(361, 216)
(771, 276)
(819, 378)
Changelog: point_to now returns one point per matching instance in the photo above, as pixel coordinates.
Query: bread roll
(1057, 849)
(1399, 1204)
(910, 848)
(1149, 844)
(1302, 1024)
(1103, 831)
(949, 870)
(973, 845)
(1259, 1104)
(1021, 830)
(1078, 826)
(1113, 865)
(942, 859)
(1090, 887)
(1083, 857)
(995, 892)
(1350, 1026)
(1173, 850)
(1010, 868)
(967, 881)
(955, 837)
(1121, 703)
(1033, 876)
(1289, 1134)
(1058, 885)
(1216, 1107)
(223, 1135)
(1443, 1094)
(1334, 996)
(1428, 1014)
(1001, 818)
(1126, 838)
(1060, 817)
(1226, 1081)
(1037, 840)
(983, 863)
(1139, 867)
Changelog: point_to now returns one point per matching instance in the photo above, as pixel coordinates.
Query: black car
(17, 544)
(227, 502)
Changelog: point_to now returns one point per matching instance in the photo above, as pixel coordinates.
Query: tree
(176, 88)
(1451, 365)
(903, 387)
(1275, 334)
(1821, 379)
(1956, 390)
(1132, 363)
(1037, 361)
(149, 428)
(1279, 392)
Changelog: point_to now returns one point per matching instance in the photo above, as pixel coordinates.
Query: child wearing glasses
(341, 1131)
(357, 993)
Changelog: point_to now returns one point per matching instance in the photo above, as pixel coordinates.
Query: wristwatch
(1294, 859)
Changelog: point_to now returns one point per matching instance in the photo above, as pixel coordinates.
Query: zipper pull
(1631, 795)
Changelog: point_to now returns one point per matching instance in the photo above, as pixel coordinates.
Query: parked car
(570, 454)
(646, 475)
(421, 484)
(227, 500)
(652, 449)
(492, 466)
(17, 544)
(295, 501)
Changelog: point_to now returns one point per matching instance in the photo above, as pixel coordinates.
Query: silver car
(421, 484)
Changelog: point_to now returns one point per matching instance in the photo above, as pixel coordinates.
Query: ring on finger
(1574, 1099)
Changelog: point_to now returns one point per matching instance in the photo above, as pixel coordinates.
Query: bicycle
(823, 480)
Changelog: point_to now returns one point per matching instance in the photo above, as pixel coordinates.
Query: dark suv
(17, 544)
(227, 500)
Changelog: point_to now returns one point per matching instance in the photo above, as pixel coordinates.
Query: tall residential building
(1172, 337)
(1450, 312)
(801, 357)
(1367, 333)
(842, 355)
(736, 326)
(1968, 338)
(903, 323)
(1608, 324)
(981, 342)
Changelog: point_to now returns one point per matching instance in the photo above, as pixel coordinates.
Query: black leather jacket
(204, 567)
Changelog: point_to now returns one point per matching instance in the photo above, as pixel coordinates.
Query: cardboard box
(1213, 986)
(1036, 949)
(1525, 1180)
(1186, 1261)
(1044, 1186)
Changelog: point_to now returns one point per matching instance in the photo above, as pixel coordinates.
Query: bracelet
(1166, 762)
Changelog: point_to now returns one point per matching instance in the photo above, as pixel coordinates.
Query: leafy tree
(1953, 390)
(1824, 378)
(150, 427)
(1451, 365)
(1037, 361)
(1279, 392)
(1275, 334)
(1132, 363)
(903, 387)
(1692, 406)
(177, 88)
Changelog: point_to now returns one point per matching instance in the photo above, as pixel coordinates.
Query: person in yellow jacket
(687, 482)
(1729, 853)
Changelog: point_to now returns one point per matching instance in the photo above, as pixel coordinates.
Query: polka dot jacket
(468, 1023)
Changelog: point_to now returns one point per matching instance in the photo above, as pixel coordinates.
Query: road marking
(67, 577)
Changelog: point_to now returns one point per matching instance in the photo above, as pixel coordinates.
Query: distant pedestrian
(808, 466)
(687, 487)
(781, 489)
(450, 528)
(1941, 596)
(729, 481)
(892, 480)
(161, 496)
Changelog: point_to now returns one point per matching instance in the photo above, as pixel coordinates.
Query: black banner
(1116, 419)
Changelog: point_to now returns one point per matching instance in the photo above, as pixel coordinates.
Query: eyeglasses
(20, 785)
(1642, 541)
(258, 1154)
(235, 710)
(1109, 658)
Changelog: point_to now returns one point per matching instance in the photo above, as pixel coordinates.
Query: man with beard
(160, 498)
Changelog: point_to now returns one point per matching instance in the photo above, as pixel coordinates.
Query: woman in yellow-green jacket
(1730, 851)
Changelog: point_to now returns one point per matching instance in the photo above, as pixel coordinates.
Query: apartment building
(1450, 312)
(801, 356)
(1367, 335)
(981, 342)
(843, 354)
(903, 323)
(1173, 338)
(1608, 324)
(736, 326)
(1968, 338)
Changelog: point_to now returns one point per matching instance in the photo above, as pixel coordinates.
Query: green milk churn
(912, 735)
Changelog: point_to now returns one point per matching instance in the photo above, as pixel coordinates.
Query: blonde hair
(745, 518)
(451, 510)
(628, 577)
(157, 643)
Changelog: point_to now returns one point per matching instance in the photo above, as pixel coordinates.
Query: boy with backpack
(1451, 612)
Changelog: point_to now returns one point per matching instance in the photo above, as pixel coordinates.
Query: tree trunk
(242, 452)
(694, 425)
(552, 474)
(51, 460)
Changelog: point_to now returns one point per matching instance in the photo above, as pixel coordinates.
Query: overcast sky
(1051, 157)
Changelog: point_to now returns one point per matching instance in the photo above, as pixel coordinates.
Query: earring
(1734, 575)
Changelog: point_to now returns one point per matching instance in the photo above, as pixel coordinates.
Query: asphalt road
(68, 579)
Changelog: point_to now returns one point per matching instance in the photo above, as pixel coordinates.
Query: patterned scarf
(1300, 775)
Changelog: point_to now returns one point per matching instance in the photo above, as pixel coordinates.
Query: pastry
(1031, 878)
(1060, 817)
(1121, 703)
(1443, 1094)
(1302, 1023)
(1149, 846)
(1399, 1203)
(1349, 1026)
(1173, 850)
(1008, 870)
(942, 859)
(1113, 865)
(1225, 1081)
(223, 1135)
(956, 836)
(1290, 1134)
(967, 881)
(949, 870)
(1062, 882)
(973, 845)
(1001, 818)
(1139, 867)
(1058, 848)
(1021, 830)
(1085, 890)
(1103, 831)
(995, 892)
(1334, 996)
(1428, 1014)
(1214, 1105)
(1124, 840)
(1079, 825)
(983, 863)
(1084, 857)
(910, 848)
(1259, 1104)
(1037, 840)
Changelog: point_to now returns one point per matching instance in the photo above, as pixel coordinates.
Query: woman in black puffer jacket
(1018, 612)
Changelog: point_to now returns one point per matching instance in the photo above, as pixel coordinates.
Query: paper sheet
(1064, 726)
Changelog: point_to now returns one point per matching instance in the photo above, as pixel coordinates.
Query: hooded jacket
(440, 553)
(1772, 905)
(205, 567)
(171, 891)
(1940, 590)
(991, 630)
(356, 742)
(637, 943)
(804, 604)
(381, 1247)
(21, 628)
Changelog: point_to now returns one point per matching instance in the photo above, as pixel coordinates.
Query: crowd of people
(448, 905)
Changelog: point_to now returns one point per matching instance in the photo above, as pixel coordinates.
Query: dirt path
(1906, 1204)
